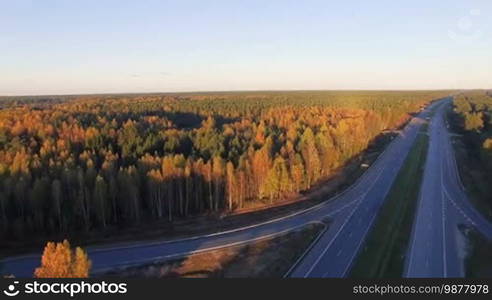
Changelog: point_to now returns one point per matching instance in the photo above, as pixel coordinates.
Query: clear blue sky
(59, 47)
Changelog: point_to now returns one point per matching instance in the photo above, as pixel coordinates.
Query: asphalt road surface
(437, 246)
(334, 254)
(352, 214)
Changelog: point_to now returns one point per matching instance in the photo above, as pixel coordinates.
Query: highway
(334, 254)
(352, 214)
(436, 248)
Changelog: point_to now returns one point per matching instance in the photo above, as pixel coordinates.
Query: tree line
(472, 118)
(89, 162)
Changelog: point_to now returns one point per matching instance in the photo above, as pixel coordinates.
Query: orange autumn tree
(60, 261)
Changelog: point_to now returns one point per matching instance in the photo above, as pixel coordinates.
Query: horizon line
(234, 91)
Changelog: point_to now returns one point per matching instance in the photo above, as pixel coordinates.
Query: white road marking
(343, 226)
(444, 261)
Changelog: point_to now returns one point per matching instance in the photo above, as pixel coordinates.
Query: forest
(83, 163)
(472, 119)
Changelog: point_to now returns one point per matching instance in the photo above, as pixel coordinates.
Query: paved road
(334, 254)
(436, 248)
(352, 214)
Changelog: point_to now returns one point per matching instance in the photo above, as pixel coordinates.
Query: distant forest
(82, 163)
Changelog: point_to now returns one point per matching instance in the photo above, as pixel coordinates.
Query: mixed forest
(83, 163)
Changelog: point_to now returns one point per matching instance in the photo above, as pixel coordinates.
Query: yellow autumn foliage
(60, 261)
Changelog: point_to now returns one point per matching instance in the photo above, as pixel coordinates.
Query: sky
(106, 46)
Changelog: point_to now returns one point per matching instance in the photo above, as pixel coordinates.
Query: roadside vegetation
(478, 260)
(270, 258)
(384, 253)
(59, 260)
(75, 165)
(471, 121)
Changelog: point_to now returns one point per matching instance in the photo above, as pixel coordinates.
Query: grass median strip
(384, 253)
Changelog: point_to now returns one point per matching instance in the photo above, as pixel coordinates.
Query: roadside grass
(384, 253)
(268, 258)
(478, 259)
